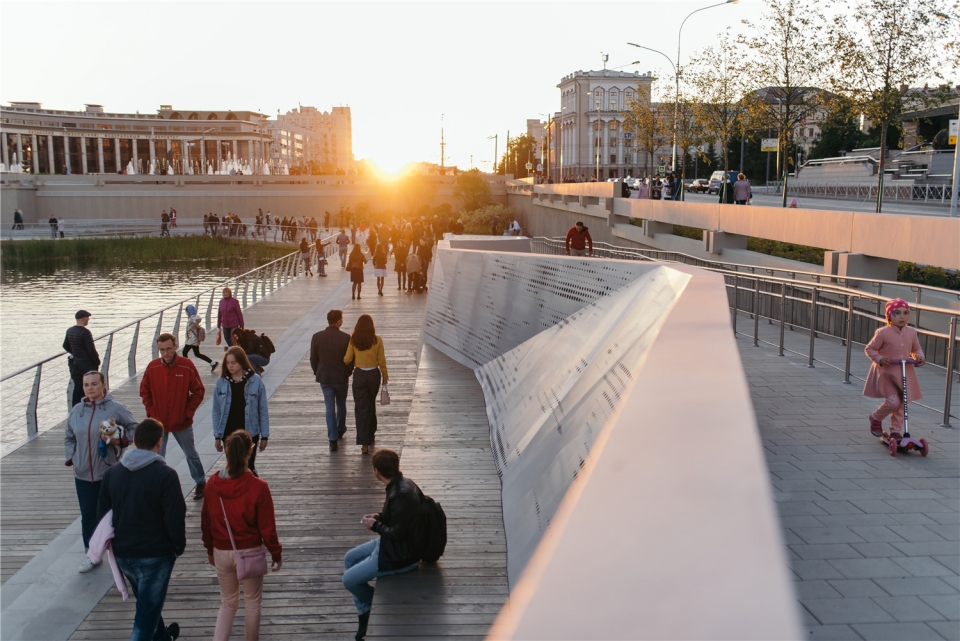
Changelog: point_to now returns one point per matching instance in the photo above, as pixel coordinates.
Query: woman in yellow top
(365, 351)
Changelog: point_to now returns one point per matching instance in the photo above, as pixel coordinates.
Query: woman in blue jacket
(240, 403)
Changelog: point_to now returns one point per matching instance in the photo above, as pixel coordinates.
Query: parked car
(713, 187)
(698, 185)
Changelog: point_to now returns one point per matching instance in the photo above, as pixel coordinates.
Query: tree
(690, 131)
(649, 123)
(520, 150)
(786, 69)
(472, 190)
(886, 46)
(716, 77)
(839, 130)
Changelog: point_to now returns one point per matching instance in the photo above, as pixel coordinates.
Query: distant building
(593, 107)
(93, 141)
(306, 137)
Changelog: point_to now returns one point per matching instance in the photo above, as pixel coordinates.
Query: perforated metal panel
(555, 344)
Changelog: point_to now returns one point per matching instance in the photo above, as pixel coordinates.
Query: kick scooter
(894, 440)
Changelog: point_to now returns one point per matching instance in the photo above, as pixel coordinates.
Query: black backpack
(268, 346)
(434, 530)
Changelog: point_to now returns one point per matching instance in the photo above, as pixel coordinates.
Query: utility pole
(442, 145)
(494, 138)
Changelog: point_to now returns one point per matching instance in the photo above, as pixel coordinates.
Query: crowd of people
(133, 511)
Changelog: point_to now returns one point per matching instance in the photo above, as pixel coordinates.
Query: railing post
(263, 285)
(919, 292)
(256, 281)
(32, 403)
(813, 324)
(736, 293)
(105, 365)
(783, 313)
(132, 355)
(951, 358)
(246, 286)
(176, 324)
(846, 366)
(210, 306)
(154, 349)
(756, 313)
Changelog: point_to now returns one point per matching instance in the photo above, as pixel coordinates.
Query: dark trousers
(88, 494)
(227, 336)
(148, 579)
(366, 386)
(196, 351)
(77, 370)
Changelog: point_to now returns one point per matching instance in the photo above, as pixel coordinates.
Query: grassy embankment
(103, 251)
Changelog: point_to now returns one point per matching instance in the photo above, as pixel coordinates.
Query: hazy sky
(485, 66)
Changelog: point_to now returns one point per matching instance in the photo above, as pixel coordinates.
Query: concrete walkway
(872, 539)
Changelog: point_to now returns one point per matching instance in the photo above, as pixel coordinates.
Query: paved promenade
(872, 539)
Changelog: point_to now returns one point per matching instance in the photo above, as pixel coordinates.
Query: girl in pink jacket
(896, 340)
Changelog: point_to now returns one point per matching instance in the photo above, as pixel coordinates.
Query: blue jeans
(148, 579)
(258, 361)
(185, 439)
(360, 567)
(88, 494)
(335, 400)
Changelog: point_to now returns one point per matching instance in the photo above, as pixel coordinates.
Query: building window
(613, 159)
(612, 126)
(104, 126)
(614, 100)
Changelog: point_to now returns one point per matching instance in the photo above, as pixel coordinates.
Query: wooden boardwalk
(446, 451)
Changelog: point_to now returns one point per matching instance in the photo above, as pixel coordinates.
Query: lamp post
(495, 138)
(676, 73)
(955, 185)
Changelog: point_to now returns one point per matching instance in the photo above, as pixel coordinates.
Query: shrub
(480, 221)
(803, 253)
(928, 275)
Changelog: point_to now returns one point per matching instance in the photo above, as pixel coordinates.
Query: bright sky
(485, 67)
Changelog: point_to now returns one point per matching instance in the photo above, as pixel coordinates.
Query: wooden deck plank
(319, 497)
(446, 451)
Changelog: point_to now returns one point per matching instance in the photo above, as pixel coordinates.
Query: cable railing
(847, 314)
(41, 392)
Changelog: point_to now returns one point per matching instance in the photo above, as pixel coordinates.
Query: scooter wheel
(893, 447)
(924, 448)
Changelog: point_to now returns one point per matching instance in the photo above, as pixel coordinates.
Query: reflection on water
(38, 305)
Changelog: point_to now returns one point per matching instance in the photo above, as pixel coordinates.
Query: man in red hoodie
(577, 238)
(172, 391)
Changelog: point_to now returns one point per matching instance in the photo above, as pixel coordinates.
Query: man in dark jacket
(149, 522)
(400, 526)
(79, 344)
(327, 349)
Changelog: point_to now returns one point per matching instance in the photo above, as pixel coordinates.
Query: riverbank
(88, 252)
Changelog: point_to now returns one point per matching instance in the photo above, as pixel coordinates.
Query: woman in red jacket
(245, 501)
(229, 316)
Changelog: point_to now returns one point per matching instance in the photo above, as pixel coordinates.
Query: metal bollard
(951, 360)
(813, 324)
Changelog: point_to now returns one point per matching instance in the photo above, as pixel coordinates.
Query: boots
(876, 427)
(362, 628)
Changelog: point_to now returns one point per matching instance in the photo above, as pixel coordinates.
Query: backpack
(434, 530)
(201, 334)
(268, 346)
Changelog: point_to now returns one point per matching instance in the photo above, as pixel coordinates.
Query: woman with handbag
(229, 317)
(236, 522)
(365, 351)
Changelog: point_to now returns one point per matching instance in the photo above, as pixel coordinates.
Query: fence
(933, 193)
(42, 391)
(137, 227)
(848, 314)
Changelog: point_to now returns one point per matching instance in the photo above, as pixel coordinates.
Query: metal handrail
(265, 278)
(689, 259)
(777, 289)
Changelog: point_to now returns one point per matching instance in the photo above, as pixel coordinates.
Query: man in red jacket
(172, 391)
(577, 238)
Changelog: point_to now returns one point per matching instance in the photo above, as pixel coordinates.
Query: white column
(5, 154)
(101, 168)
(234, 150)
(34, 156)
(605, 148)
(116, 154)
(20, 148)
(66, 153)
(83, 154)
(136, 161)
(153, 153)
(51, 156)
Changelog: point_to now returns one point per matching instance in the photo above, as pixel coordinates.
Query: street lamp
(495, 138)
(676, 72)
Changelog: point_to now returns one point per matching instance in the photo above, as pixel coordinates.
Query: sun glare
(388, 168)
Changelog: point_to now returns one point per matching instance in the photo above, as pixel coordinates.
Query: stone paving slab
(872, 539)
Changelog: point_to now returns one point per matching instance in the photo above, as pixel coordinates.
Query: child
(896, 340)
(380, 266)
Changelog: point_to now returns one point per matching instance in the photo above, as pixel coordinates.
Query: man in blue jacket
(149, 522)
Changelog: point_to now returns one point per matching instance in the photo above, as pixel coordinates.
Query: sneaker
(86, 566)
(173, 631)
(198, 494)
(334, 446)
(213, 366)
(876, 427)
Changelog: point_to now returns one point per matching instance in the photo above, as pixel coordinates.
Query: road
(834, 204)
